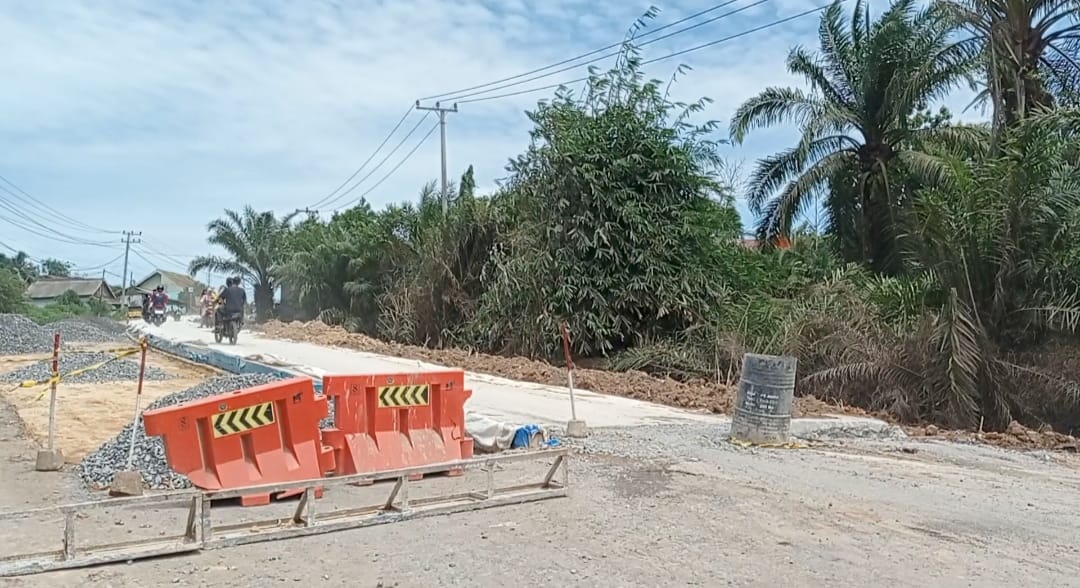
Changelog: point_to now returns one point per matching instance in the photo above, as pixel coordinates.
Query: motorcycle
(157, 316)
(207, 317)
(228, 327)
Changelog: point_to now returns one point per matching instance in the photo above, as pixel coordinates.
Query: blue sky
(154, 116)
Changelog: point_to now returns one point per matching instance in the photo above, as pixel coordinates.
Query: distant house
(181, 288)
(46, 290)
(750, 242)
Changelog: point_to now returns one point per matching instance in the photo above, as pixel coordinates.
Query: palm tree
(995, 236)
(866, 82)
(255, 241)
(1030, 48)
(22, 265)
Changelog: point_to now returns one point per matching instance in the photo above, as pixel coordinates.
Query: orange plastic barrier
(390, 421)
(259, 435)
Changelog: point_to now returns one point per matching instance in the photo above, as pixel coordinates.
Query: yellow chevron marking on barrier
(398, 396)
(243, 419)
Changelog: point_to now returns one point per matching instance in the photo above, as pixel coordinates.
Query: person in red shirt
(159, 299)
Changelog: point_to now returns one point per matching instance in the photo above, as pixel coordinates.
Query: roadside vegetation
(939, 283)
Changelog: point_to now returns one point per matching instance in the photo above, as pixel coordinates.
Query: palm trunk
(264, 301)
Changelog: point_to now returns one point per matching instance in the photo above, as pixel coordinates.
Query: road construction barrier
(261, 435)
(392, 421)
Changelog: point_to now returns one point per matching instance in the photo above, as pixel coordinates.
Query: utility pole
(129, 238)
(442, 140)
(311, 213)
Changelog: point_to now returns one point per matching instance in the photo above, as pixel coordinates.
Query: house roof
(181, 280)
(52, 288)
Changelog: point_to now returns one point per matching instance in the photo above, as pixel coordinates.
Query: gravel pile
(700, 440)
(93, 330)
(117, 371)
(654, 442)
(19, 335)
(97, 468)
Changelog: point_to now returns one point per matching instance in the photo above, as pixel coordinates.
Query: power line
(366, 161)
(662, 58)
(98, 267)
(55, 234)
(395, 168)
(18, 251)
(79, 225)
(380, 164)
(163, 255)
(584, 55)
(160, 259)
(153, 264)
(459, 96)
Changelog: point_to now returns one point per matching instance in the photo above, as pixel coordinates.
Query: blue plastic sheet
(523, 434)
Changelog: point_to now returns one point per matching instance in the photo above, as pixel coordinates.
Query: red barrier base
(360, 453)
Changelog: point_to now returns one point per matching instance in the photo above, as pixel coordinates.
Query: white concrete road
(505, 400)
(508, 401)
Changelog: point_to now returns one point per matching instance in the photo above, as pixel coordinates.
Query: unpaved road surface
(671, 506)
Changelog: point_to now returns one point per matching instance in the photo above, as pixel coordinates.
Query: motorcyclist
(159, 299)
(233, 300)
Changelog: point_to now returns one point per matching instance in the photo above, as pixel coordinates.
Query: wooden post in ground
(51, 459)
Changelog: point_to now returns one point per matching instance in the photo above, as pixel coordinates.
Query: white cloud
(155, 116)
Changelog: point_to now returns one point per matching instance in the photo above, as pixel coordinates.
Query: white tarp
(489, 435)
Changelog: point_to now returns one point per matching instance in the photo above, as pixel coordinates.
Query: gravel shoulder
(92, 410)
(841, 513)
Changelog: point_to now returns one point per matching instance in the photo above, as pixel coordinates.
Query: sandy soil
(853, 513)
(89, 414)
(711, 396)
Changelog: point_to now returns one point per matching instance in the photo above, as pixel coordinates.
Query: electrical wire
(150, 248)
(394, 169)
(380, 164)
(57, 235)
(18, 251)
(77, 224)
(459, 97)
(98, 267)
(142, 253)
(366, 161)
(584, 55)
(657, 59)
(139, 254)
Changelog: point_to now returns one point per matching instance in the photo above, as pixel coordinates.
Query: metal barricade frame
(200, 533)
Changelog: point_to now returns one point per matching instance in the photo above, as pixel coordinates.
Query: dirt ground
(711, 396)
(847, 513)
(89, 414)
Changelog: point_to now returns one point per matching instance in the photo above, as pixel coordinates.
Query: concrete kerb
(223, 361)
